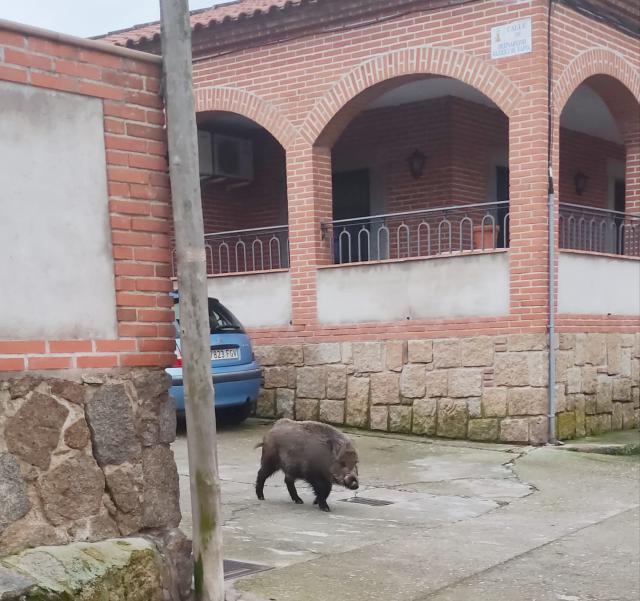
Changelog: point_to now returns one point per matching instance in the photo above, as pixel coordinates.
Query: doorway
(351, 200)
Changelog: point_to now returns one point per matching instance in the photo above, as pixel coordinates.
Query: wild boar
(309, 451)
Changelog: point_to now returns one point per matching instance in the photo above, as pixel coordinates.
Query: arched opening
(420, 168)
(244, 195)
(597, 125)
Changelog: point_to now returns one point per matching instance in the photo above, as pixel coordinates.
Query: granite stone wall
(485, 388)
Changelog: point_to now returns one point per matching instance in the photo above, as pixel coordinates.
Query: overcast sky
(87, 17)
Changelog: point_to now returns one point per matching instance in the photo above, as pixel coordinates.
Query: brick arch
(235, 100)
(381, 70)
(592, 62)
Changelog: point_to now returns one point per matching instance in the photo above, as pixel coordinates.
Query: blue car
(235, 373)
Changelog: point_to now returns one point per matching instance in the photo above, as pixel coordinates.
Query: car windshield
(220, 318)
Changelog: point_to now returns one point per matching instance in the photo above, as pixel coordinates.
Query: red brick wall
(307, 90)
(138, 191)
(580, 152)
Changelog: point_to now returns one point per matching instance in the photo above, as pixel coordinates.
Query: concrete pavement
(465, 522)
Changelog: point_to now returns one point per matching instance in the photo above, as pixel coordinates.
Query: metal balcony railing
(240, 251)
(438, 231)
(599, 230)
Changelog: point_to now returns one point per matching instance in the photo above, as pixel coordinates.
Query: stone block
(494, 402)
(14, 501)
(385, 388)
(514, 430)
(614, 350)
(574, 380)
(526, 342)
(424, 417)
(332, 412)
(566, 425)
(357, 413)
(33, 433)
(420, 351)
(527, 401)
(279, 355)
(474, 408)
(368, 356)
(400, 419)
(604, 396)
(635, 371)
(311, 382)
(379, 418)
(465, 382)
(285, 402)
(156, 420)
(511, 369)
(395, 354)
(161, 490)
(110, 418)
(591, 349)
(629, 416)
(347, 352)
(265, 406)
(566, 342)
(77, 435)
(413, 381)
(125, 486)
(336, 381)
(322, 353)
(538, 430)
(589, 379)
(598, 424)
(452, 418)
(484, 429)
(70, 391)
(437, 383)
(477, 351)
(14, 585)
(561, 399)
(617, 415)
(622, 389)
(538, 366)
(73, 490)
(579, 411)
(277, 377)
(150, 384)
(564, 361)
(446, 353)
(590, 404)
(307, 409)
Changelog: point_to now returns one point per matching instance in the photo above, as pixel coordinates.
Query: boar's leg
(267, 469)
(291, 487)
(322, 487)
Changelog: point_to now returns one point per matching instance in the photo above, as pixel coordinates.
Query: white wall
(257, 300)
(56, 264)
(457, 286)
(598, 285)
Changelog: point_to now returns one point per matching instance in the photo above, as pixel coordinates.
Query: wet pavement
(464, 521)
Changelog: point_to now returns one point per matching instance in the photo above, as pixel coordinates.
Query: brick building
(384, 232)
(86, 326)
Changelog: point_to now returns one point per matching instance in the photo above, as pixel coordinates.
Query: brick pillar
(528, 213)
(310, 203)
(632, 171)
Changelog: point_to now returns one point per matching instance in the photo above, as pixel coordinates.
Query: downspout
(551, 252)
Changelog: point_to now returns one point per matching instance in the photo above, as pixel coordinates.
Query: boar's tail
(260, 444)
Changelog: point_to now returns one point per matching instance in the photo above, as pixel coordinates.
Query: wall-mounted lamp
(580, 180)
(416, 163)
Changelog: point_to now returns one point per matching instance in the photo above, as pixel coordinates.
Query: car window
(220, 318)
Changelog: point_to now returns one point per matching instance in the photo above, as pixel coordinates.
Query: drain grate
(237, 569)
(365, 501)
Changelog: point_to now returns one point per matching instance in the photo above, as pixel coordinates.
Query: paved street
(466, 522)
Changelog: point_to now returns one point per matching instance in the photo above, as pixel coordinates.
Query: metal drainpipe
(552, 252)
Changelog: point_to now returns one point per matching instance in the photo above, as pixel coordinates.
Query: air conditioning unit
(232, 157)
(205, 153)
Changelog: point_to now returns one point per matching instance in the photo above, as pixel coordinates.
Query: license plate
(224, 353)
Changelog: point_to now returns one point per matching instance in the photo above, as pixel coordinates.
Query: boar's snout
(351, 482)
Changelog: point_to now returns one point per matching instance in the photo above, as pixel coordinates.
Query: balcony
(415, 234)
(599, 230)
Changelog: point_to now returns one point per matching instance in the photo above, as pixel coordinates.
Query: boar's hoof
(298, 501)
(324, 507)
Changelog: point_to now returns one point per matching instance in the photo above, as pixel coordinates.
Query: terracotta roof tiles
(229, 11)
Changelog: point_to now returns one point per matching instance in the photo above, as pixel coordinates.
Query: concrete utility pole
(194, 311)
